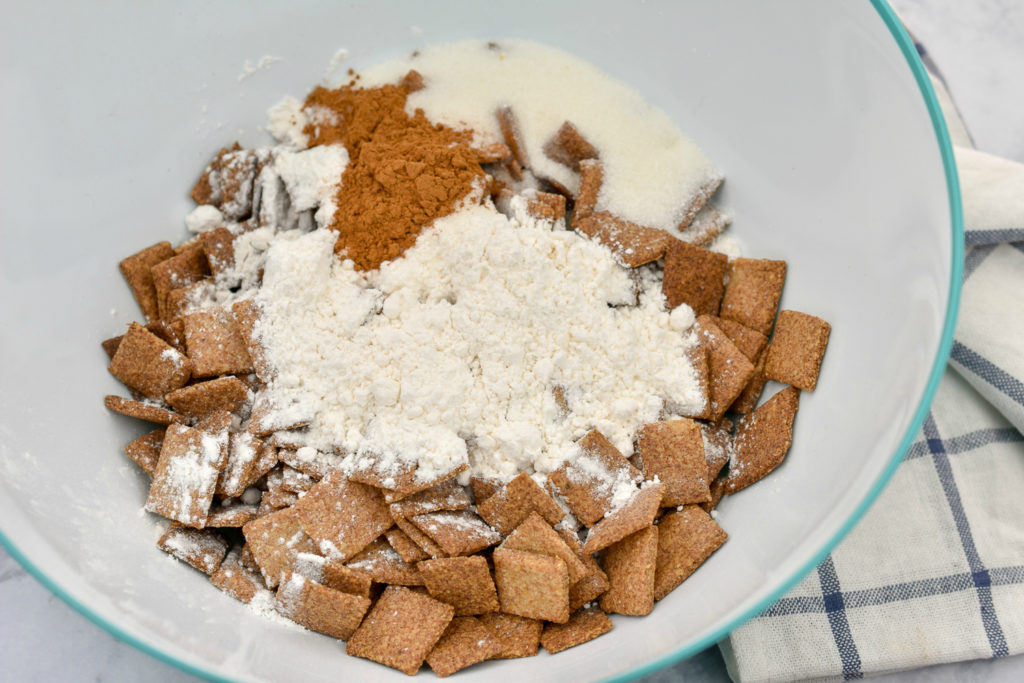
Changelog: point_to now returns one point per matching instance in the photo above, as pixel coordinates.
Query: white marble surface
(978, 45)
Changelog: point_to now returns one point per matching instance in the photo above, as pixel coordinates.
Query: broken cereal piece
(568, 146)
(585, 625)
(148, 364)
(463, 582)
(795, 354)
(405, 546)
(320, 608)
(630, 565)
(729, 369)
(762, 440)
(401, 629)
(201, 548)
(381, 563)
(137, 271)
(700, 198)
(237, 580)
(514, 635)
(750, 342)
(215, 344)
(466, 642)
(237, 174)
(342, 516)
(142, 411)
(201, 399)
(145, 450)
(633, 244)
(186, 475)
(693, 276)
(752, 294)
(510, 131)
(274, 540)
(589, 482)
(686, 538)
(638, 513)
(591, 179)
(187, 267)
(545, 206)
(532, 585)
(482, 489)
(513, 502)
(448, 495)
(673, 452)
(248, 460)
(535, 535)
(708, 224)
(110, 345)
(590, 587)
(219, 245)
(457, 533)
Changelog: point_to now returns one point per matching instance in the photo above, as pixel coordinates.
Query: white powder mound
(651, 168)
(451, 353)
(203, 218)
(312, 178)
(286, 120)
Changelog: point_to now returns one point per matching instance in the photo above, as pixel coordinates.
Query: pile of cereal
(435, 379)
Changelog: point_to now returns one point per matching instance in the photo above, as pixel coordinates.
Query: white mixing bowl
(820, 114)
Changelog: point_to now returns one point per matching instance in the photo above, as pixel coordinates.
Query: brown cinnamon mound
(403, 173)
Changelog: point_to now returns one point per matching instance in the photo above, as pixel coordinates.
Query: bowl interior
(809, 107)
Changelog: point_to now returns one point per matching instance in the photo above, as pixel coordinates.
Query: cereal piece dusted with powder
(694, 276)
(458, 533)
(406, 548)
(215, 344)
(750, 342)
(510, 505)
(320, 608)
(466, 642)
(762, 439)
(686, 538)
(569, 147)
(463, 582)
(630, 565)
(585, 625)
(187, 267)
(201, 548)
(145, 450)
(795, 354)
(274, 540)
(632, 517)
(143, 411)
(219, 245)
(515, 636)
(401, 629)
(383, 564)
(673, 452)
(425, 543)
(596, 480)
(237, 580)
(753, 292)
(342, 516)
(231, 516)
(536, 536)
(728, 368)
(137, 270)
(532, 585)
(247, 314)
(203, 398)
(248, 460)
(512, 133)
(186, 475)
(633, 244)
(333, 574)
(148, 364)
(448, 495)
(591, 177)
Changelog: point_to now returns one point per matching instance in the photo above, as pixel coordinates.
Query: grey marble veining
(978, 45)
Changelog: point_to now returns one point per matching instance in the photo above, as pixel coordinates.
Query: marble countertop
(978, 45)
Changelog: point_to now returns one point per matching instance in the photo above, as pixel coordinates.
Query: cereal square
(633, 244)
(201, 548)
(763, 438)
(448, 495)
(482, 489)
(426, 543)
(110, 345)
(145, 450)
(401, 629)
(588, 482)
(673, 452)
(535, 535)
(510, 131)
(466, 642)
(589, 588)
(148, 364)
(532, 585)
(342, 516)
(274, 540)
(137, 270)
(320, 608)
(753, 292)
(728, 368)
(706, 226)
(187, 267)
(693, 276)
(458, 533)
(638, 513)
(380, 562)
(237, 173)
(230, 516)
(515, 636)
(201, 399)
(749, 342)
(718, 487)
(585, 625)
(513, 502)
(247, 314)
(333, 574)
(686, 538)
(186, 475)
(248, 460)
(215, 344)
(794, 356)
(219, 245)
(237, 580)
(591, 179)
(207, 187)
(465, 583)
(630, 565)
(405, 546)
(568, 146)
(751, 394)
(546, 206)
(142, 411)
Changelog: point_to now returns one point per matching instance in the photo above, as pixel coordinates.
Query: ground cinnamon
(404, 172)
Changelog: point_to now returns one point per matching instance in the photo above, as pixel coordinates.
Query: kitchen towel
(934, 572)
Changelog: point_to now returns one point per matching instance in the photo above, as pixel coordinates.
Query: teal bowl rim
(906, 46)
